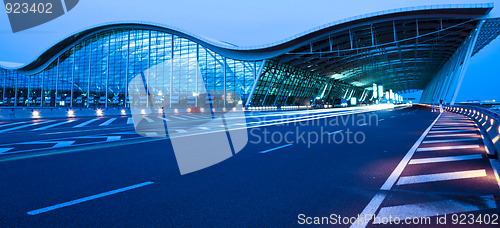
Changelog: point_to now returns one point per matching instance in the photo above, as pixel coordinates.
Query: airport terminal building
(405, 50)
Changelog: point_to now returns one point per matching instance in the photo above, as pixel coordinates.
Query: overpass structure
(417, 48)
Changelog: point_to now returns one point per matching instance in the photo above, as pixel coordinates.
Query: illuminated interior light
(99, 112)
(36, 114)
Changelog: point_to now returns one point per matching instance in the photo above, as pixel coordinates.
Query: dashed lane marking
(276, 148)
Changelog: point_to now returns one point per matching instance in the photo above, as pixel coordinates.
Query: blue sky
(244, 23)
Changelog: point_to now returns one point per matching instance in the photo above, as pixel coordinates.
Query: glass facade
(281, 84)
(96, 71)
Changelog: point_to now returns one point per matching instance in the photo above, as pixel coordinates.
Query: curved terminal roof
(402, 48)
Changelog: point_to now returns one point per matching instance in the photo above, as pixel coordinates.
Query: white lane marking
(178, 117)
(10, 124)
(449, 140)
(130, 120)
(107, 122)
(441, 177)
(86, 123)
(164, 119)
(181, 131)
(363, 124)
(379, 197)
(454, 135)
(447, 148)
(203, 128)
(2, 150)
(151, 134)
(57, 143)
(276, 148)
(108, 138)
(88, 198)
(451, 131)
(148, 119)
(436, 208)
(455, 128)
(444, 159)
(381, 120)
(331, 133)
(456, 125)
(27, 125)
(53, 125)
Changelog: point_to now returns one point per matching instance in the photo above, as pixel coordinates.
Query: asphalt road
(122, 179)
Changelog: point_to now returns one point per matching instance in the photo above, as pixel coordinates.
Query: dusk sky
(243, 23)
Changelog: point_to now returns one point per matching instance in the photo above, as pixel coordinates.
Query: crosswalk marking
(453, 135)
(165, 119)
(178, 117)
(451, 131)
(454, 128)
(53, 125)
(148, 119)
(436, 208)
(441, 177)
(107, 122)
(449, 140)
(86, 123)
(3, 150)
(10, 124)
(130, 120)
(24, 126)
(181, 131)
(444, 159)
(108, 138)
(447, 148)
(203, 128)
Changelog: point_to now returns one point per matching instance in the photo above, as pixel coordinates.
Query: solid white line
(429, 209)
(441, 177)
(447, 148)
(276, 148)
(86, 123)
(148, 119)
(88, 198)
(454, 135)
(445, 159)
(377, 200)
(54, 125)
(107, 122)
(451, 131)
(130, 120)
(449, 140)
(331, 133)
(24, 126)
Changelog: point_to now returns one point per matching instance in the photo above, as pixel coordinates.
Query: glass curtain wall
(95, 72)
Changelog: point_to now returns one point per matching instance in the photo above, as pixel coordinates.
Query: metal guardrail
(487, 120)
